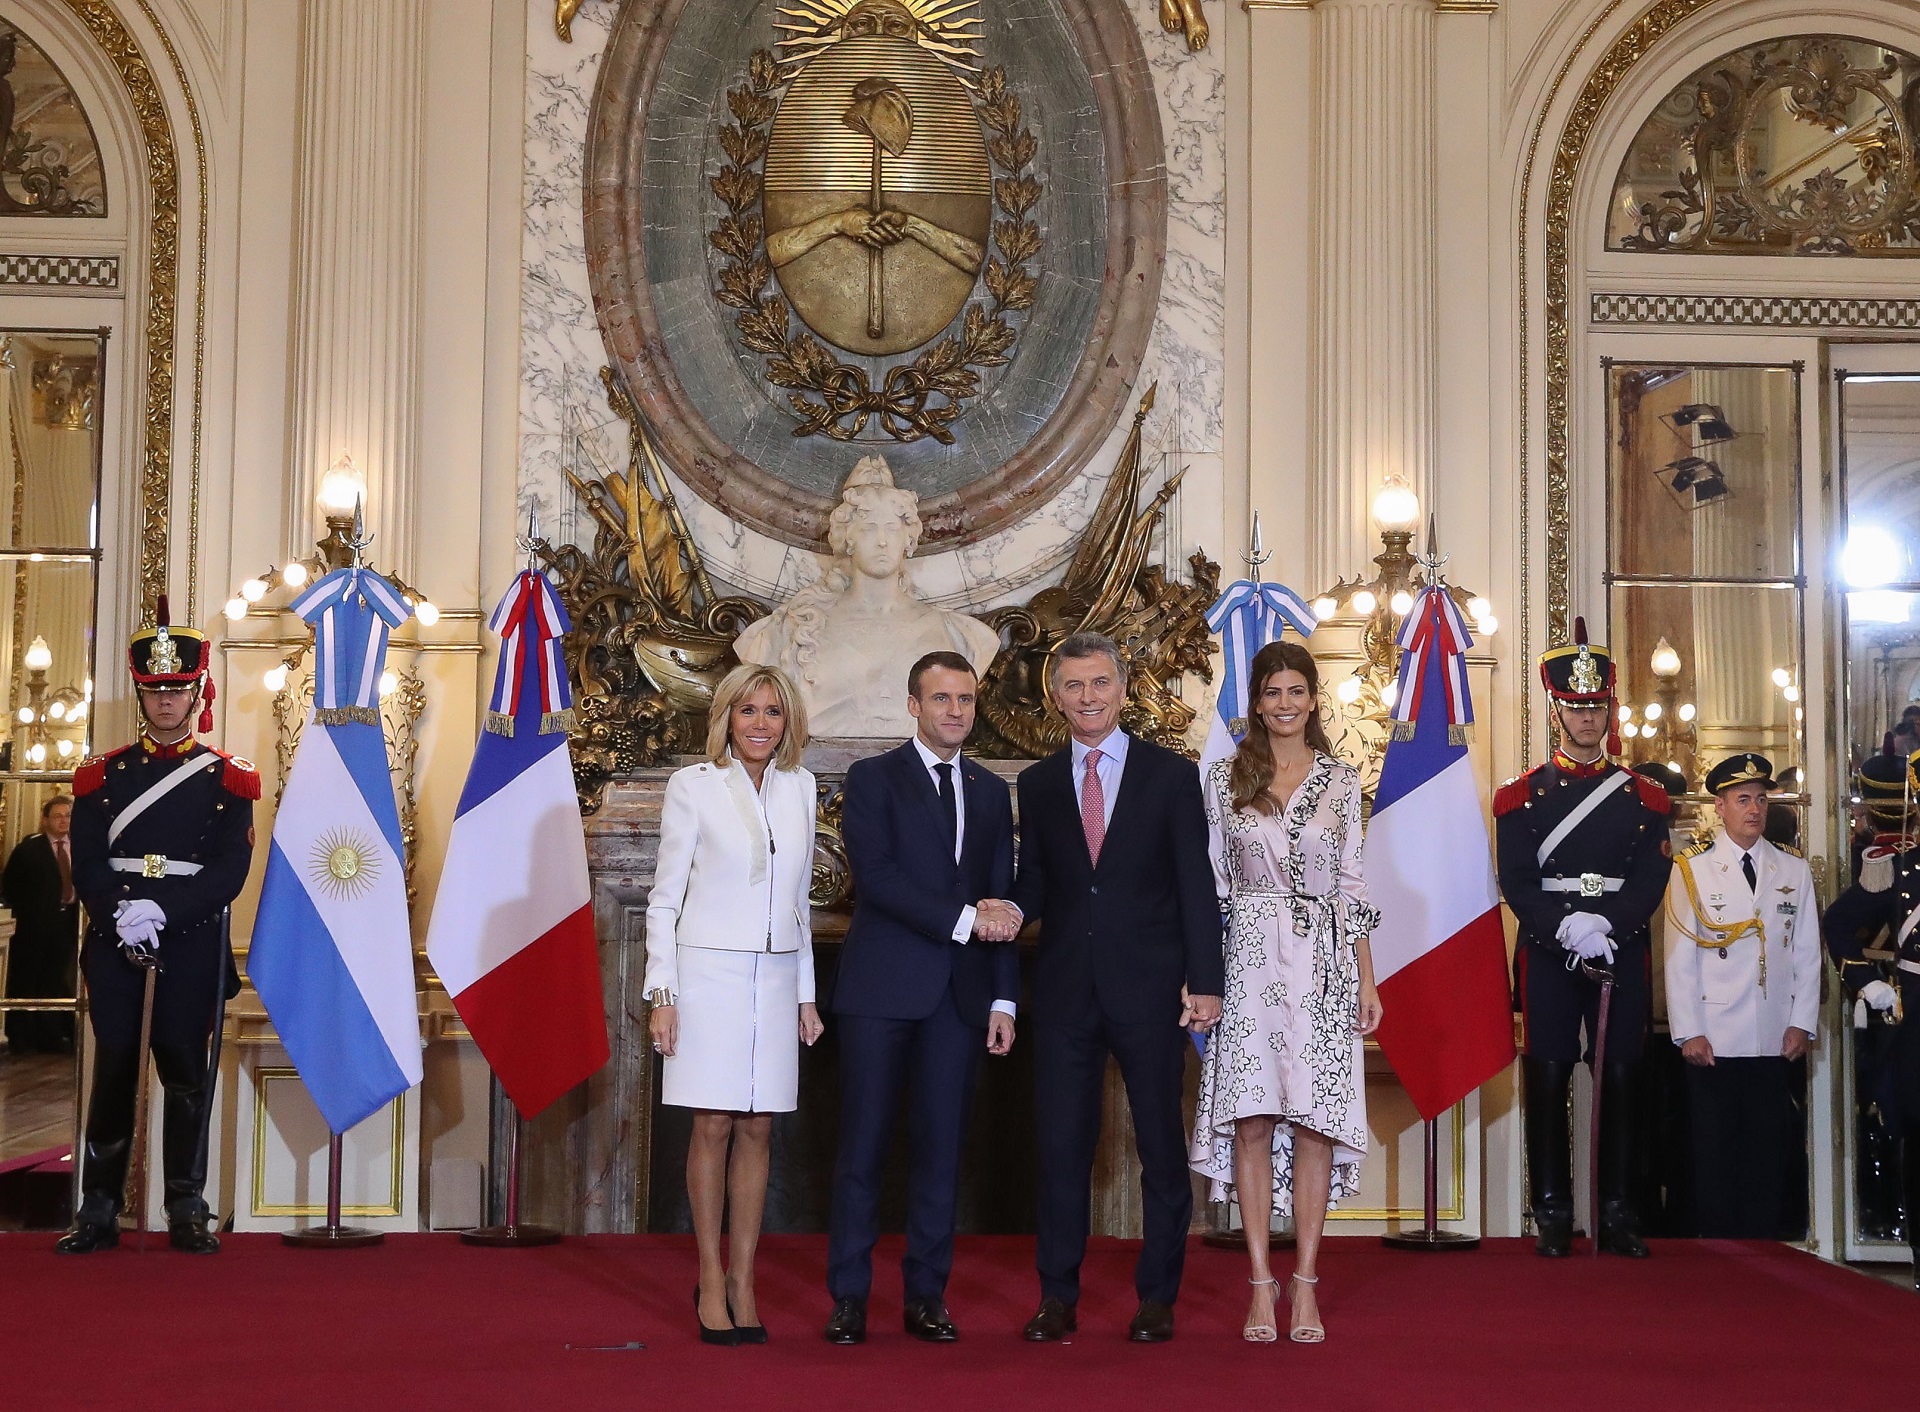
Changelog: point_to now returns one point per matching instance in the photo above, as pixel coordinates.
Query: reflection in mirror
(50, 161)
(1797, 146)
(1880, 444)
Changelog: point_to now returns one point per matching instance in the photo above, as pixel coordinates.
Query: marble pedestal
(607, 1157)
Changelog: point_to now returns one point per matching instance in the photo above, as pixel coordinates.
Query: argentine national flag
(1247, 616)
(332, 952)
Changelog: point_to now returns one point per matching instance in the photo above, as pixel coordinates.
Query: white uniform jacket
(1717, 991)
(734, 869)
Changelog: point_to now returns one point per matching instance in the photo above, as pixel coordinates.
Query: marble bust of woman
(849, 639)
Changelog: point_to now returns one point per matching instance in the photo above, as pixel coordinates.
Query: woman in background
(730, 969)
(1281, 1115)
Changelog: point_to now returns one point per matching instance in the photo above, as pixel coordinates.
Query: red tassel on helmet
(161, 618)
(206, 710)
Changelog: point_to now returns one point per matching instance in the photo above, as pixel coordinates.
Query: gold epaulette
(1696, 849)
(1789, 850)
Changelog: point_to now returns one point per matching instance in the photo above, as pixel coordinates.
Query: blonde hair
(743, 680)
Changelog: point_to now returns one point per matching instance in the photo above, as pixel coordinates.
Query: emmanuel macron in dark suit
(921, 991)
(1113, 860)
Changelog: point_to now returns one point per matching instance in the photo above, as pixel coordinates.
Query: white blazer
(734, 869)
(1716, 991)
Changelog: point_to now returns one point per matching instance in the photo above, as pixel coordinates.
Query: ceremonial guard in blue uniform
(1583, 859)
(1873, 932)
(162, 840)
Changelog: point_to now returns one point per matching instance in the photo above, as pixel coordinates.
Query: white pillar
(1373, 333)
(357, 263)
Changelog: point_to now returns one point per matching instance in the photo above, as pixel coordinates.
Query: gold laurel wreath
(916, 399)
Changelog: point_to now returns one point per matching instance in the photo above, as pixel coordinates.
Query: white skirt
(739, 1044)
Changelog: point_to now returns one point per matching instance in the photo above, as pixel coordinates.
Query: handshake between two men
(996, 919)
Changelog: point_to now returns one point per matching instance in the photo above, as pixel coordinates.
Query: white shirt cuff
(1003, 1007)
(963, 929)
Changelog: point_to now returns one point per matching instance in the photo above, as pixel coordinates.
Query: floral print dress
(1286, 1045)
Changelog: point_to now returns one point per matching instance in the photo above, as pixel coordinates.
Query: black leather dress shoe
(86, 1238)
(849, 1322)
(1617, 1233)
(1555, 1237)
(193, 1237)
(928, 1321)
(1051, 1322)
(1153, 1324)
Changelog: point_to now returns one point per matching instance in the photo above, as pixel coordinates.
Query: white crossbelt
(1578, 817)
(155, 793)
(154, 865)
(1906, 930)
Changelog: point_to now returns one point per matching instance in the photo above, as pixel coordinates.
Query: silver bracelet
(660, 997)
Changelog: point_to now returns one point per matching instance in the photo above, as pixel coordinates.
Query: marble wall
(565, 420)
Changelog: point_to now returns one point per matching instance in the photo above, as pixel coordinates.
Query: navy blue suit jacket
(1120, 939)
(900, 956)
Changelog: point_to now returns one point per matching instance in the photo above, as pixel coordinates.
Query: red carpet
(427, 1323)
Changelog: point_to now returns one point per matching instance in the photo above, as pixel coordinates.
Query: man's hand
(1198, 1013)
(995, 919)
(1796, 1043)
(139, 912)
(1587, 935)
(1879, 995)
(1698, 1052)
(999, 1032)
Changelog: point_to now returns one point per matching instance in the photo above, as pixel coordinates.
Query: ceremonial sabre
(1603, 975)
(140, 1164)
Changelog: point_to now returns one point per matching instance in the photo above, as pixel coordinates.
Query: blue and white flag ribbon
(1247, 616)
(353, 611)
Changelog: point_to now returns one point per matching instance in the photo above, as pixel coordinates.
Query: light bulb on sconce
(1665, 661)
(236, 609)
(1396, 508)
(1687, 711)
(389, 683)
(253, 590)
(39, 656)
(1782, 677)
(426, 613)
(1348, 691)
(37, 753)
(294, 575)
(1626, 714)
(1401, 602)
(26, 715)
(342, 489)
(1479, 608)
(1364, 602)
(1489, 625)
(1324, 608)
(1653, 710)
(275, 679)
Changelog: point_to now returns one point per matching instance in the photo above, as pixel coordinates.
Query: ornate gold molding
(163, 273)
(1628, 48)
(1440, 7)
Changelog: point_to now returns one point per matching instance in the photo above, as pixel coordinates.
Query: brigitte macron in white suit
(730, 967)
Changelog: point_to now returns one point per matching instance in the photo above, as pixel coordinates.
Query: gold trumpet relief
(860, 199)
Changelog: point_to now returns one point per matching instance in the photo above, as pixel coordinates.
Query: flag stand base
(1430, 1237)
(513, 1233)
(333, 1235)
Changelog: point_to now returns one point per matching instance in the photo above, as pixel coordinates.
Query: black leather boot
(103, 1178)
(1619, 1230)
(1549, 1155)
(184, 1160)
(1910, 1182)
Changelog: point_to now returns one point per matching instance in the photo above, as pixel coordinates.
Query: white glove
(1879, 995)
(1586, 935)
(138, 912)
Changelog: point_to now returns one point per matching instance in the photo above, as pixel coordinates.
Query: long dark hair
(1252, 768)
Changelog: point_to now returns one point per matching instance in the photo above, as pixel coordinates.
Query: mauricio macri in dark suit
(1113, 862)
(926, 984)
(38, 888)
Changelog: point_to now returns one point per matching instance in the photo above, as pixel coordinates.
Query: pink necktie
(1093, 807)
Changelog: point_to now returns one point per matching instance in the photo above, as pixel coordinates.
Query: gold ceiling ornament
(1159, 623)
(860, 182)
(1797, 146)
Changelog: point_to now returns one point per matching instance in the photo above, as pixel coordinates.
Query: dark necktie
(1746, 866)
(947, 814)
(65, 865)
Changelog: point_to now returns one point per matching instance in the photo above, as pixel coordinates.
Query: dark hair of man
(55, 803)
(951, 661)
(1251, 772)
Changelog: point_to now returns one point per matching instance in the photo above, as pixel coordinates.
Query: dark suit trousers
(1070, 1060)
(1741, 1114)
(940, 1056)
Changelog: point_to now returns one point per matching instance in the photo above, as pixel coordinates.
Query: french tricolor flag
(1439, 951)
(512, 932)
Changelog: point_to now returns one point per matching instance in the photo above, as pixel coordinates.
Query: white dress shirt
(1113, 759)
(963, 928)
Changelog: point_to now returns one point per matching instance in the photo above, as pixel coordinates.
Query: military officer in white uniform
(1743, 1001)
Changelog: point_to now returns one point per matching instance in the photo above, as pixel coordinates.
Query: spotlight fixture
(1709, 423)
(1694, 481)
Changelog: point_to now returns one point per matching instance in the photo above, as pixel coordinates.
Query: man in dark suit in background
(38, 888)
(1113, 860)
(923, 988)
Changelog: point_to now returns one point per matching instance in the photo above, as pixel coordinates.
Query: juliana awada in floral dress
(1286, 1054)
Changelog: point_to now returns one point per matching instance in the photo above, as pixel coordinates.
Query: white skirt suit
(730, 935)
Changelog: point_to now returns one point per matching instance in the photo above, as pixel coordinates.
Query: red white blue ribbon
(532, 676)
(1434, 628)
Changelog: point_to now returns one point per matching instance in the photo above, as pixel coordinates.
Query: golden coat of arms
(877, 178)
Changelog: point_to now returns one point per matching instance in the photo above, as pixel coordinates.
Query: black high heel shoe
(728, 1337)
(749, 1333)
